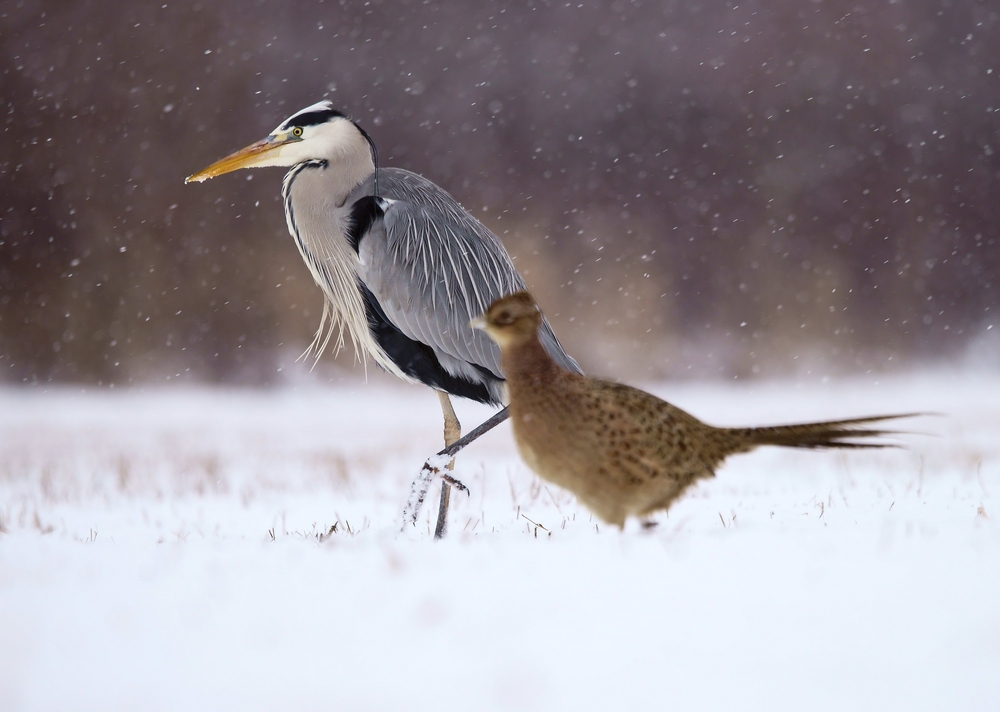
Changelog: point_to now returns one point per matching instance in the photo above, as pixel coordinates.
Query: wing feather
(433, 267)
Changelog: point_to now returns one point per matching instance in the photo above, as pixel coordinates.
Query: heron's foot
(435, 466)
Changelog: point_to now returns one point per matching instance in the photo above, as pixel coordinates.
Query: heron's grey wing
(433, 267)
(431, 279)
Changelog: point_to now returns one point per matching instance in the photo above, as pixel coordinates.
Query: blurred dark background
(690, 188)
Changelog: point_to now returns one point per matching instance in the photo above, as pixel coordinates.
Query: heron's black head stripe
(313, 118)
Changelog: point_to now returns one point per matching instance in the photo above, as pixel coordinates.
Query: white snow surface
(239, 550)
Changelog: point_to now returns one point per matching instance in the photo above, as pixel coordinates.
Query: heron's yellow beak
(256, 154)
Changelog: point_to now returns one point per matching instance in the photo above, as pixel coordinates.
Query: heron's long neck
(315, 193)
(350, 160)
(346, 175)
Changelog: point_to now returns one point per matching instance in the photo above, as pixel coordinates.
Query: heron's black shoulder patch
(364, 212)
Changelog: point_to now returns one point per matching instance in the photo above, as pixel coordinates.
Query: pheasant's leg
(452, 432)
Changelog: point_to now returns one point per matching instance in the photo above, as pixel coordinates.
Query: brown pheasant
(621, 451)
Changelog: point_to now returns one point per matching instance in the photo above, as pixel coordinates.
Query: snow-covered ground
(234, 550)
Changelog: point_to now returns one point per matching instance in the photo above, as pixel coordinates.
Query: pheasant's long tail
(829, 434)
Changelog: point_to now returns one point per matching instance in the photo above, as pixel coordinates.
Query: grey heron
(403, 267)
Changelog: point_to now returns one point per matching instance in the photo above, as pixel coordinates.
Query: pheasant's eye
(504, 318)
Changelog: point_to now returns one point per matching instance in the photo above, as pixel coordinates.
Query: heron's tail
(829, 434)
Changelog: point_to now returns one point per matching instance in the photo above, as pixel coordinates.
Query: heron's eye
(297, 132)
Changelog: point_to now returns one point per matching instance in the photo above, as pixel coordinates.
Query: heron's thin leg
(434, 465)
(452, 432)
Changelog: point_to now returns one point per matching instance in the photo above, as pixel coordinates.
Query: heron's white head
(318, 132)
